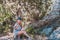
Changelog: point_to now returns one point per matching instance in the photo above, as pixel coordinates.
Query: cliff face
(52, 30)
(56, 10)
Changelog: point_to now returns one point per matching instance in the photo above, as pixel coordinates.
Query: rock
(55, 34)
(7, 37)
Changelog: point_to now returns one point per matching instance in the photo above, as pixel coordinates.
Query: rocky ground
(7, 37)
(10, 37)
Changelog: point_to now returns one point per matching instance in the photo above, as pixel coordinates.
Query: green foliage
(4, 15)
(29, 30)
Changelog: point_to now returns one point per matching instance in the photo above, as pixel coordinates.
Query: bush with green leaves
(5, 15)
